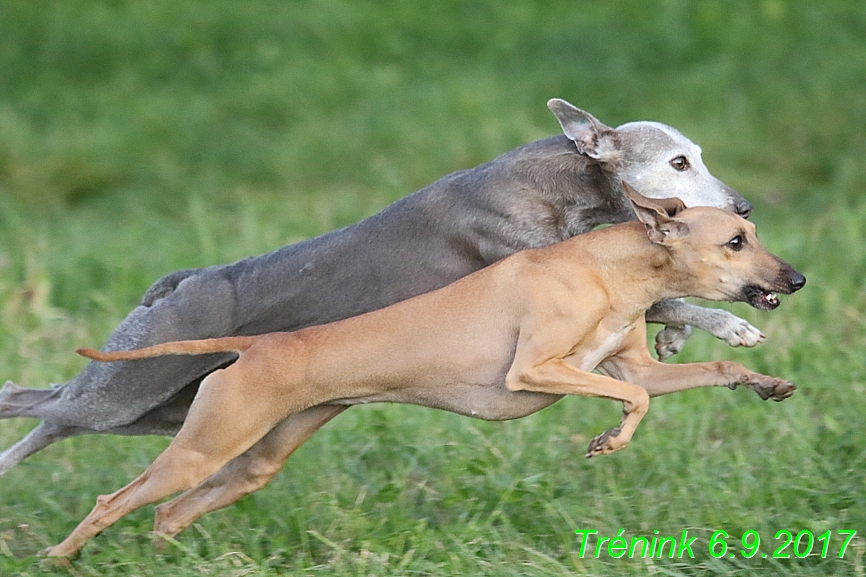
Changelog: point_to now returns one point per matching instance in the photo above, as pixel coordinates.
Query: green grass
(137, 138)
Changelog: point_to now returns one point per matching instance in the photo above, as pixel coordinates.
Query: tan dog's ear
(654, 214)
(673, 206)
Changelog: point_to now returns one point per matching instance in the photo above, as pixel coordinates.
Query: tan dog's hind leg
(245, 473)
(557, 377)
(230, 413)
(172, 471)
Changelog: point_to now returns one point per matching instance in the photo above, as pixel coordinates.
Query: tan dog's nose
(797, 281)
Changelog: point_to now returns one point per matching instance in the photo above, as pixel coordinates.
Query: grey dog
(533, 196)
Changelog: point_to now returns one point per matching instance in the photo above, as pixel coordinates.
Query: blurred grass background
(137, 138)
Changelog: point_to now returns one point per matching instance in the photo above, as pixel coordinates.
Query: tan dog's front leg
(557, 377)
(635, 365)
(661, 379)
(245, 473)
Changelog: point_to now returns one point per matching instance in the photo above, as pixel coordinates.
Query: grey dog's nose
(744, 209)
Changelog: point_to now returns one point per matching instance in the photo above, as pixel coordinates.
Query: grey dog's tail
(198, 347)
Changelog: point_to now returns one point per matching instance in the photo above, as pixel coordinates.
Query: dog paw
(670, 340)
(773, 388)
(738, 332)
(767, 387)
(605, 443)
(49, 561)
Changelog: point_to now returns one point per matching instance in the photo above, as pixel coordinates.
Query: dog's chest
(608, 346)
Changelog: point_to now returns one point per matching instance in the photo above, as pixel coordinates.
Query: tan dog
(499, 344)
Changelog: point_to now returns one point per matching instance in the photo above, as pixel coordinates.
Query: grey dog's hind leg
(16, 401)
(43, 435)
(166, 419)
(142, 397)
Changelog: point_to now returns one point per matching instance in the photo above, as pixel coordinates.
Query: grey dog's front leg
(679, 316)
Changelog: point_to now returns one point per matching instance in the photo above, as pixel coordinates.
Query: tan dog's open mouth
(760, 299)
(790, 281)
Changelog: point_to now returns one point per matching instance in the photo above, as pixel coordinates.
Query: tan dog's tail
(198, 347)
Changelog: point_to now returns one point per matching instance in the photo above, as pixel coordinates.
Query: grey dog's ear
(654, 214)
(591, 136)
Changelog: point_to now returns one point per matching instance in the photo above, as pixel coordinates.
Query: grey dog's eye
(680, 163)
(736, 243)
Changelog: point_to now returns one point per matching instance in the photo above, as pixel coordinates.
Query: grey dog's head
(652, 157)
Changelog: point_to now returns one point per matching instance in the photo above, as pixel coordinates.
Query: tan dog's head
(717, 253)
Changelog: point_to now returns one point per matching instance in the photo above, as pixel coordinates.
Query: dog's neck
(556, 170)
(638, 272)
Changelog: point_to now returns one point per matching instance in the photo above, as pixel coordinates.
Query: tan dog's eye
(680, 163)
(737, 242)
